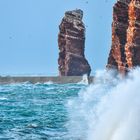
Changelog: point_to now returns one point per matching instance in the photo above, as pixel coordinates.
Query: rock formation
(71, 42)
(125, 51)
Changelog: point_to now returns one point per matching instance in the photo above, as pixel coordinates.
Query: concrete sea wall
(43, 79)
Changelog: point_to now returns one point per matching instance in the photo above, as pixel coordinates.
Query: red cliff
(71, 42)
(125, 51)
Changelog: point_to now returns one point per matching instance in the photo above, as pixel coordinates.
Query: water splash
(107, 110)
(84, 80)
(49, 83)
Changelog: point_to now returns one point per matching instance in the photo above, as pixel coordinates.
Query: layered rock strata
(125, 51)
(71, 42)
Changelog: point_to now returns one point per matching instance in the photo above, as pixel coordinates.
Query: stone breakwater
(71, 42)
(43, 79)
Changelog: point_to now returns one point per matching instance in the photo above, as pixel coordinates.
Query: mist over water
(109, 109)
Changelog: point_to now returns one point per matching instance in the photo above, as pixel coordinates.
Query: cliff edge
(125, 50)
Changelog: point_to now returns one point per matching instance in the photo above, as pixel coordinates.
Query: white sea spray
(109, 109)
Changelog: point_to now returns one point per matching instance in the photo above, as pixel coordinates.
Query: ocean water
(35, 111)
(108, 109)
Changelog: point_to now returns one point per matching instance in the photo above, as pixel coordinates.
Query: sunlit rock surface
(71, 41)
(125, 51)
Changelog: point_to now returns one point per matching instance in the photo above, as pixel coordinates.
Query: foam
(107, 110)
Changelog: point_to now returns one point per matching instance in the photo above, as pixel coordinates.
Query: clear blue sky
(29, 30)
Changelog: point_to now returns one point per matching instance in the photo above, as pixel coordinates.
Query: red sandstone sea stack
(71, 42)
(125, 51)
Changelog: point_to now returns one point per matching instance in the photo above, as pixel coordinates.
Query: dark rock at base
(71, 42)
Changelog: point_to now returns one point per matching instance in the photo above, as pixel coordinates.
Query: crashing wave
(109, 109)
(84, 80)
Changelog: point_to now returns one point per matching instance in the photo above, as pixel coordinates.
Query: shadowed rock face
(125, 51)
(71, 42)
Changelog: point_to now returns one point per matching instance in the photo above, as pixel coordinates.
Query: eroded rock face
(71, 42)
(125, 51)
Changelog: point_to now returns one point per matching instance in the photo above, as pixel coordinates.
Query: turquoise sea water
(109, 109)
(36, 111)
